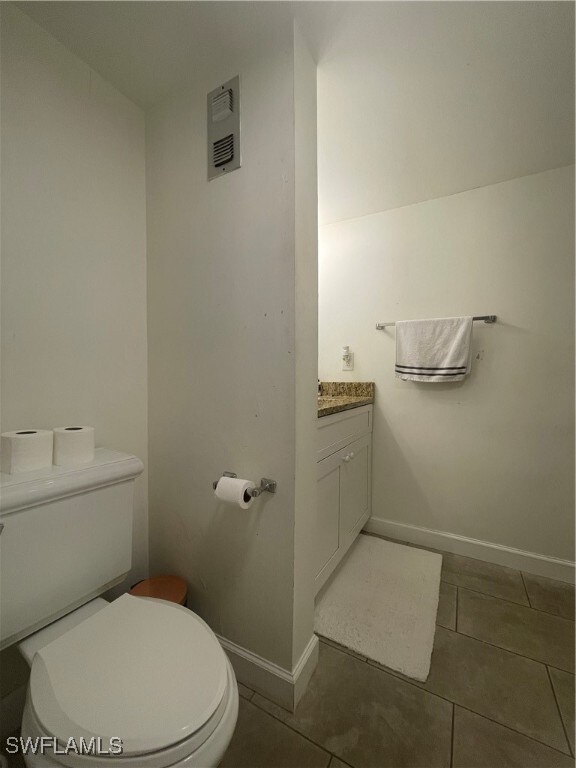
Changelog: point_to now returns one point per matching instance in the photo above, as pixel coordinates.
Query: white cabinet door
(344, 487)
(354, 486)
(328, 511)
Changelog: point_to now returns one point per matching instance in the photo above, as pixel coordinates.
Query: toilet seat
(149, 672)
(185, 754)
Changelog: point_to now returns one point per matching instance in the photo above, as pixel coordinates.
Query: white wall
(491, 458)
(223, 343)
(418, 100)
(73, 251)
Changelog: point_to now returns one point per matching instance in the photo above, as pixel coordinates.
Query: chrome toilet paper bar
(265, 484)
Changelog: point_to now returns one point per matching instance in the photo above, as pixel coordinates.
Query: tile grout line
(522, 605)
(397, 675)
(295, 730)
(515, 653)
(489, 594)
(247, 698)
(335, 757)
(512, 602)
(513, 730)
(559, 711)
(452, 736)
(525, 589)
(457, 600)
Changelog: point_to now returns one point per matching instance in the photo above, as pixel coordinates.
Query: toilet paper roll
(73, 445)
(234, 490)
(26, 450)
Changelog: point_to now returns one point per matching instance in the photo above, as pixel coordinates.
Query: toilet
(137, 681)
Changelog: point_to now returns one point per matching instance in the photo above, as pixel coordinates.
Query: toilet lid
(147, 671)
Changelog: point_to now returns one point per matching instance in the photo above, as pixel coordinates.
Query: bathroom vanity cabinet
(344, 485)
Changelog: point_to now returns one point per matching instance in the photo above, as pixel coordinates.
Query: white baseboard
(11, 709)
(531, 562)
(303, 670)
(274, 682)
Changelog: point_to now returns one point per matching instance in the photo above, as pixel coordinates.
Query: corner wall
(306, 348)
(224, 353)
(492, 458)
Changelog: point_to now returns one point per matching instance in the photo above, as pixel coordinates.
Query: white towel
(433, 350)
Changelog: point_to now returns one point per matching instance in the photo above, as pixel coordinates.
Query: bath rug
(382, 603)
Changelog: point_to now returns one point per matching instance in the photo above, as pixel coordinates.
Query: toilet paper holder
(265, 484)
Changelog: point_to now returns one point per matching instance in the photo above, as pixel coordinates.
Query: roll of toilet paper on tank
(73, 445)
(235, 491)
(26, 450)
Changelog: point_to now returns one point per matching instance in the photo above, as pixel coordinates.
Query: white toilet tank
(66, 538)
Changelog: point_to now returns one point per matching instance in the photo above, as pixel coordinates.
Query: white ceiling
(416, 100)
(150, 49)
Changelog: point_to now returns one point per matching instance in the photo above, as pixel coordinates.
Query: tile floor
(500, 692)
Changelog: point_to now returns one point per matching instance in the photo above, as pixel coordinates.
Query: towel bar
(485, 318)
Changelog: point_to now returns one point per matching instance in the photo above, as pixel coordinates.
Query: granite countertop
(336, 396)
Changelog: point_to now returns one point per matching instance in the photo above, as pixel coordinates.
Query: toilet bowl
(139, 681)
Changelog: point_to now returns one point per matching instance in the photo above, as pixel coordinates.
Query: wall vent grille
(223, 151)
(222, 105)
(223, 123)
